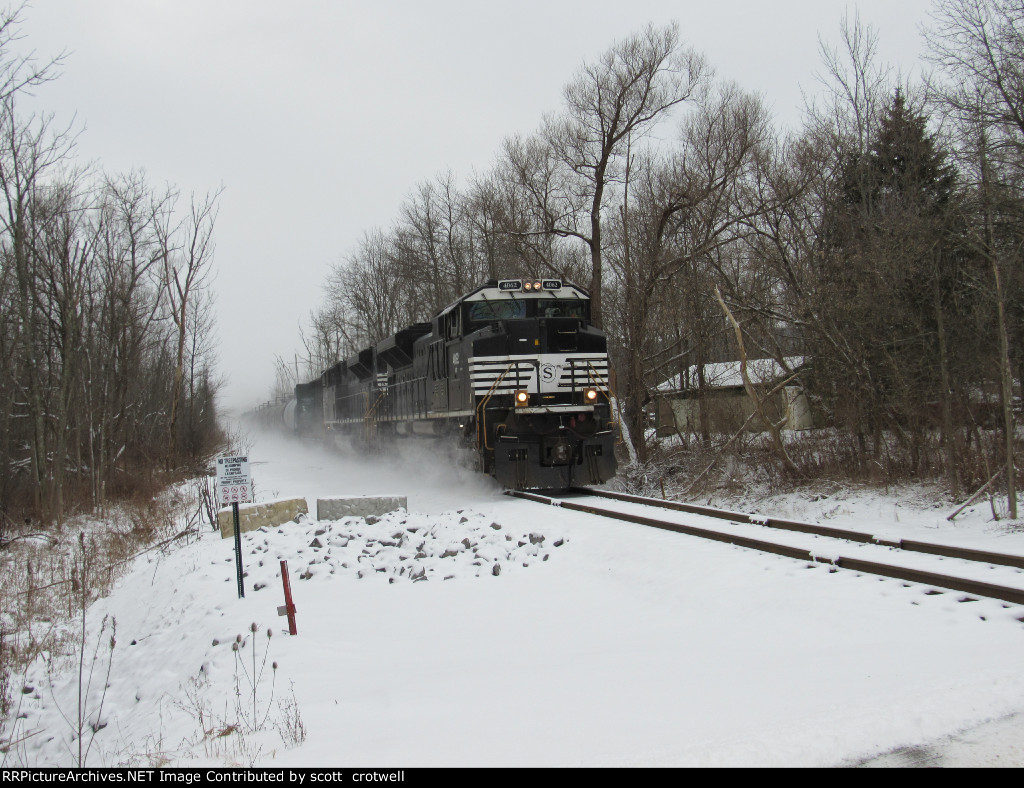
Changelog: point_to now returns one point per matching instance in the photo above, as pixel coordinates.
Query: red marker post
(288, 609)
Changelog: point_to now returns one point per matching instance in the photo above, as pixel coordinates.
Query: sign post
(238, 550)
(234, 481)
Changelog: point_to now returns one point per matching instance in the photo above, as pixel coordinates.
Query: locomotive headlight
(528, 286)
(590, 395)
(522, 398)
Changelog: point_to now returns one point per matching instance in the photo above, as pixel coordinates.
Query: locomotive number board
(517, 284)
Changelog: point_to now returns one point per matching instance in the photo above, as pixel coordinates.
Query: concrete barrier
(256, 515)
(358, 506)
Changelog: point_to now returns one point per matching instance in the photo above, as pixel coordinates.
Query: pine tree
(891, 273)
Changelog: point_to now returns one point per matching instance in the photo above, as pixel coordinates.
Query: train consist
(514, 370)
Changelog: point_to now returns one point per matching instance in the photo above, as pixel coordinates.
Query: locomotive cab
(537, 380)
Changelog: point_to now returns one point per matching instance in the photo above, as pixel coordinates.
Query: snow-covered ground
(480, 630)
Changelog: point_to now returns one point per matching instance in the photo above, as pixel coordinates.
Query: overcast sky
(318, 117)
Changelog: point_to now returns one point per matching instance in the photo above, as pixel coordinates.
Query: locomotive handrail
(373, 408)
(616, 415)
(595, 377)
(369, 423)
(481, 414)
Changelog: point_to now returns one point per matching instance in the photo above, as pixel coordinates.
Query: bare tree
(19, 72)
(996, 235)
(536, 206)
(856, 88)
(683, 216)
(129, 224)
(66, 265)
(101, 304)
(187, 269)
(29, 151)
(978, 46)
(567, 172)
(434, 241)
(373, 290)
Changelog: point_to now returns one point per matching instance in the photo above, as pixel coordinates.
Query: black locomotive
(513, 370)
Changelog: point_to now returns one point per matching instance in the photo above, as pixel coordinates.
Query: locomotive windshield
(509, 309)
(575, 308)
(485, 311)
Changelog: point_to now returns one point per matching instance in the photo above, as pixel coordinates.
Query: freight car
(513, 371)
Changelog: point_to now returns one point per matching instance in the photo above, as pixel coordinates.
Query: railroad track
(907, 560)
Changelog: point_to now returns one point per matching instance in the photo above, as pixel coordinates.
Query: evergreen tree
(892, 273)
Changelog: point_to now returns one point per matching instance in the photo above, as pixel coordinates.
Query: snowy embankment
(476, 629)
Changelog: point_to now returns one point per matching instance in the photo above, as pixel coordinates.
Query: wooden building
(726, 404)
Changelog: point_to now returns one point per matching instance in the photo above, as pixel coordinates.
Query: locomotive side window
(453, 324)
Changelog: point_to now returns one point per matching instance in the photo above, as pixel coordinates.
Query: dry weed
(47, 579)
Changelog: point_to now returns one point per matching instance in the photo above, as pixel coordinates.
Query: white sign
(234, 480)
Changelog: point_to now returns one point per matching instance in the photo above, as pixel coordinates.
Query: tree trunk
(1006, 380)
(596, 260)
(1005, 371)
(772, 427)
(948, 437)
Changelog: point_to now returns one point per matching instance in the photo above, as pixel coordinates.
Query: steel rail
(965, 585)
(910, 545)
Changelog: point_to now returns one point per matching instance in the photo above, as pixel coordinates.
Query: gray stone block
(256, 515)
(358, 506)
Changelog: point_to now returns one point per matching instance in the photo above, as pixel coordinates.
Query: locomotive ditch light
(522, 398)
(590, 395)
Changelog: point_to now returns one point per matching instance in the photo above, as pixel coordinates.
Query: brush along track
(975, 561)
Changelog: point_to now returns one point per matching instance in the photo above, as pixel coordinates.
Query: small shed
(727, 405)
